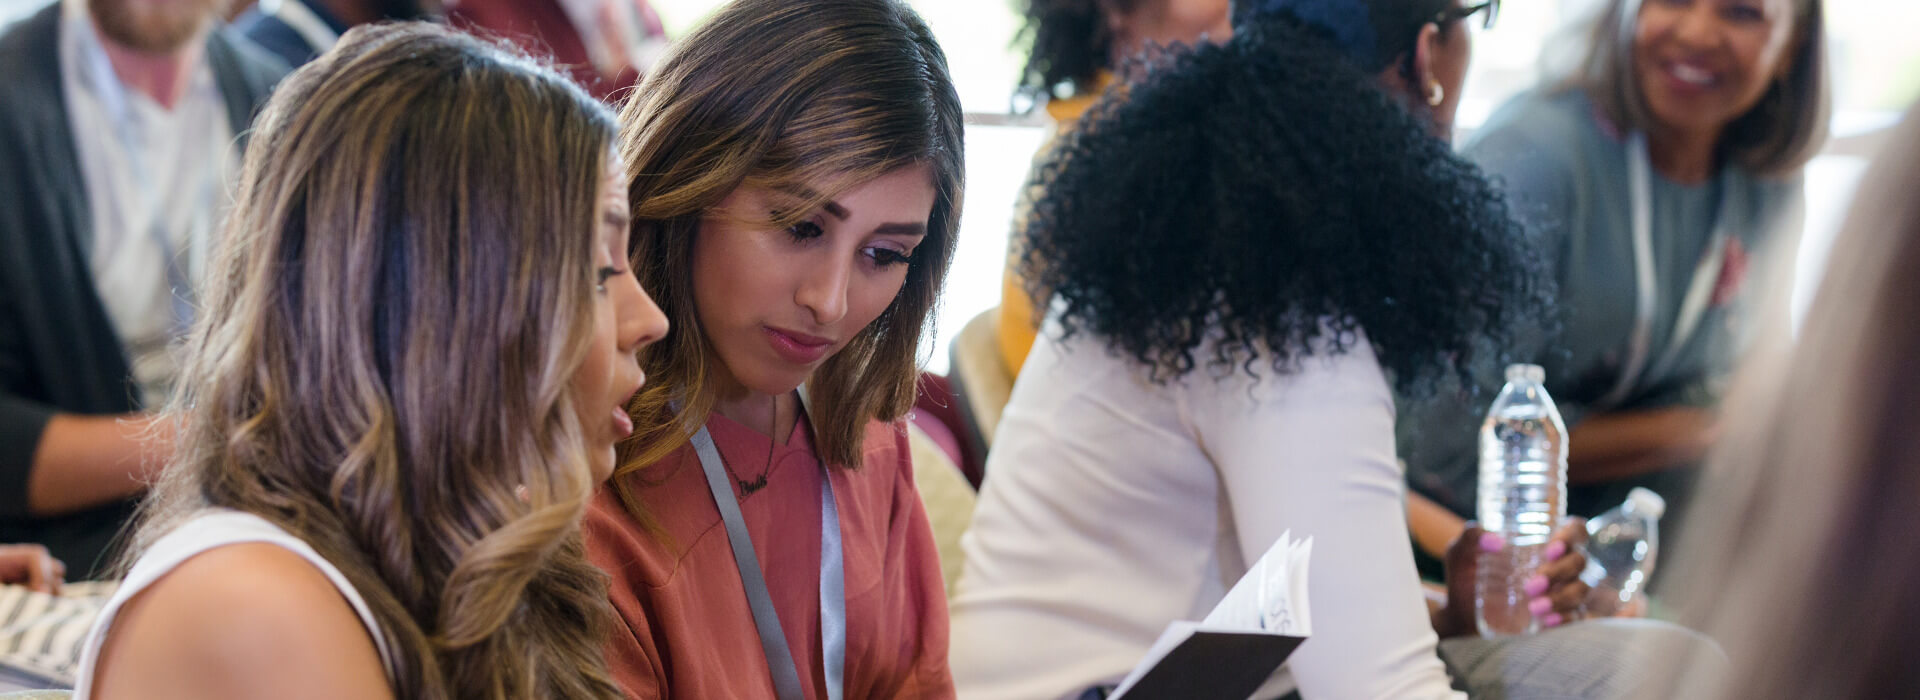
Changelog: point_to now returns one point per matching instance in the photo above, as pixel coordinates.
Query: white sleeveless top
(214, 529)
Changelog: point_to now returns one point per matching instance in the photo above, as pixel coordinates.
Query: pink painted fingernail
(1551, 619)
(1536, 586)
(1540, 606)
(1555, 549)
(1490, 542)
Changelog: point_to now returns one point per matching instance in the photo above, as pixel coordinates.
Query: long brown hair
(383, 365)
(790, 95)
(1801, 554)
(1778, 136)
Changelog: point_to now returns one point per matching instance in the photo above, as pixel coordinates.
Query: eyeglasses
(1455, 14)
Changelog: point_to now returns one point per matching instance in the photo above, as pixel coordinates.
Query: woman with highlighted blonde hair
(418, 335)
(795, 177)
(1800, 558)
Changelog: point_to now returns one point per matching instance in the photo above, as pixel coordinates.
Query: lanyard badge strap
(833, 598)
(1646, 288)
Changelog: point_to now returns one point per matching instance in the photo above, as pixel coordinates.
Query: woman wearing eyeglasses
(1652, 170)
(1248, 251)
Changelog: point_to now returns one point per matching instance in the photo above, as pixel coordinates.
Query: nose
(823, 290)
(641, 322)
(1698, 25)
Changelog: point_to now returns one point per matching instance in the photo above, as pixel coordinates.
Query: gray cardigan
(1565, 175)
(58, 350)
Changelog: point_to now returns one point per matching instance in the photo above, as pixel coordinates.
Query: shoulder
(1770, 210)
(884, 479)
(253, 23)
(647, 548)
(616, 540)
(885, 447)
(30, 30)
(275, 35)
(256, 67)
(29, 55)
(250, 619)
(1322, 375)
(1535, 124)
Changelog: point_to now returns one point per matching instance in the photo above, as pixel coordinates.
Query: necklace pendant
(748, 487)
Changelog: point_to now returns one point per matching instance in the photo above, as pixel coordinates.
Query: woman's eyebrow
(806, 194)
(837, 211)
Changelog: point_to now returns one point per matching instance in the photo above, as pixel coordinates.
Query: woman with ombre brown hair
(418, 336)
(795, 183)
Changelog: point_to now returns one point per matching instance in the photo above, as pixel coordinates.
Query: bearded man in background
(120, 128)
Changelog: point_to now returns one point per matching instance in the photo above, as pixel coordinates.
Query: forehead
(904, 193)
(613, 167)
(843, 197)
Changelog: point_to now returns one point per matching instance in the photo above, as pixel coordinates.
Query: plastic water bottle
(1621, 545)
(1523, 495)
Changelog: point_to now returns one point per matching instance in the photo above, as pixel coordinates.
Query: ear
(1426, 47)
(1116, 18)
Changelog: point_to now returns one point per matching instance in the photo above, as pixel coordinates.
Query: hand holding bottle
(1554, 594)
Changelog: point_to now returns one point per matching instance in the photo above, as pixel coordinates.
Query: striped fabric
(40, 634)
(1607, 659)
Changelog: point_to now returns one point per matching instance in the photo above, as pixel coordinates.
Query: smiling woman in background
(795, 176)
(1668, 153)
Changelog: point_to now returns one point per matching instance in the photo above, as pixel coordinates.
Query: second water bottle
(1621, 546)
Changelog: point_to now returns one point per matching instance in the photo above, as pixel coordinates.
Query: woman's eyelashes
(888, 257)
(1745, 14)
(881, 256)
(805, 231)
(601, 277)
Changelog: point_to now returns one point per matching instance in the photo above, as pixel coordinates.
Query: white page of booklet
(1270, 598)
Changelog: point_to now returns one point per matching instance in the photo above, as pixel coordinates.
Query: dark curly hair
(1067, 43)
(1267, 196)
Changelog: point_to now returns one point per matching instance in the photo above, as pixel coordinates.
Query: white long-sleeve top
(1113, 506)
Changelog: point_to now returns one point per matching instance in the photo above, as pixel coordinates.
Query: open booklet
(1227, 656)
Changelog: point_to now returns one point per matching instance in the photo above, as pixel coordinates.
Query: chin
(776, 387)
(600, 464)
(775, 381)
(1683, 120)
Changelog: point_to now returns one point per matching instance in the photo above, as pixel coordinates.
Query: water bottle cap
(1646, 501)
(1524, 372)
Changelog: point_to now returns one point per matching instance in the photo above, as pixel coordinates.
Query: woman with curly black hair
(1074, 45)
(1249, 252)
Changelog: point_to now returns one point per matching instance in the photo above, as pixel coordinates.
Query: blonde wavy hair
(794, 96)
(382, 366)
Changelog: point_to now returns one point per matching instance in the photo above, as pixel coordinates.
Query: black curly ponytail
(1266, 198)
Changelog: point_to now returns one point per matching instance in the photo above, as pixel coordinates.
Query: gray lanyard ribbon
(833, 588)
(1647, 289)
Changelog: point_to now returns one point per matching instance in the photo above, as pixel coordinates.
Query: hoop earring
(1435, 94)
